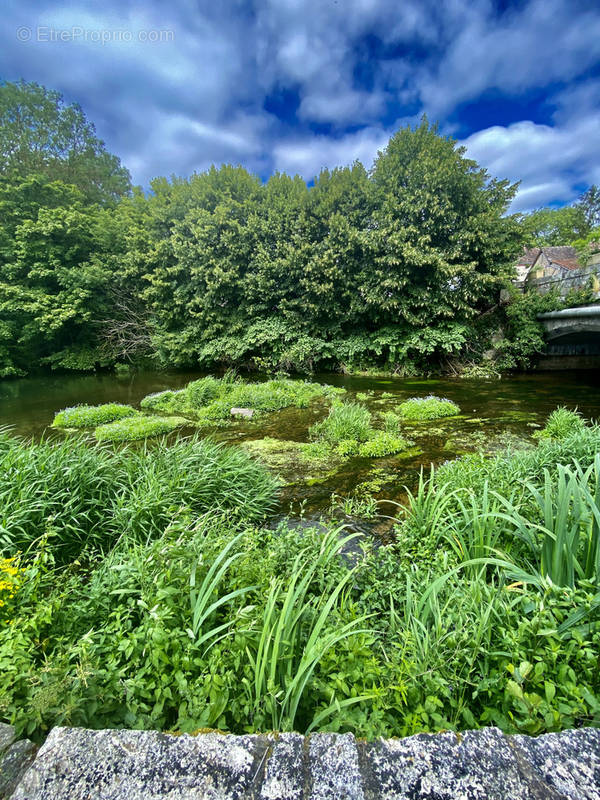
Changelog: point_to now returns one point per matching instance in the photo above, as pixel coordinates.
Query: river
(494, 413)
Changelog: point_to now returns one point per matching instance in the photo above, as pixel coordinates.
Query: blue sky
(296, 85)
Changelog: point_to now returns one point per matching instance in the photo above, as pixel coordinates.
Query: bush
(424, 408)
(345, 421)
(128, 430)
(91, 416)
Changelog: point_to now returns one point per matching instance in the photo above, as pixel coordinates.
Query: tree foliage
(41, 135)
(388, 267)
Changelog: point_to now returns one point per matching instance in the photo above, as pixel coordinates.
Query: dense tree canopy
(390, 266)
(41, 135)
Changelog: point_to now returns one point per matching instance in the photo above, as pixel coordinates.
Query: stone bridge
(573, 331)
(78, 764)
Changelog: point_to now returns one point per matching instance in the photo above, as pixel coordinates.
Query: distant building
(545, 268)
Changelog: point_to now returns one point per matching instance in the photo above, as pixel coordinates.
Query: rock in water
(242, 412)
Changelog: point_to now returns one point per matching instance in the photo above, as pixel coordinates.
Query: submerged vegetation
(143, 587)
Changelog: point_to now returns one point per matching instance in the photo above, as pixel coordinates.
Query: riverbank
(149, 588)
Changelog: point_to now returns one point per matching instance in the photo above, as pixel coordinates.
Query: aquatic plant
(382, 444)
(561, 423)
(425, 408)
(91, 416)
(345, 421)
(211, 399)
(167, 402)
(140, 427)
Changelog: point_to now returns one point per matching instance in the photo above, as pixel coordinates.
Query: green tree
(53, 276)
(42, 135)
(554, 226)
(589, 205)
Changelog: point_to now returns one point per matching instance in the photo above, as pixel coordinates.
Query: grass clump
(345, 422)
(211, 399)
(167, 402)
(92, 416)
(561, 423)
(382, 444)
(425, 408)
(84, 495)
(131, 429)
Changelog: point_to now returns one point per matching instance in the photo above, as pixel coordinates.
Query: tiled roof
(528, 256)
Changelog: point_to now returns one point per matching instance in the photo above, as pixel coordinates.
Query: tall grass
(86, 495)
(565, 543)
(294, 633)
(345, 422)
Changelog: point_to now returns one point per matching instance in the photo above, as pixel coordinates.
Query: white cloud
(549, 161)
(308, 156)
(546, 41)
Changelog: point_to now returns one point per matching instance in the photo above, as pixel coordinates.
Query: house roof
(564, 256)
(528, 256)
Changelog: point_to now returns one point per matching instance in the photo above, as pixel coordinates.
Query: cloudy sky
(295, 85)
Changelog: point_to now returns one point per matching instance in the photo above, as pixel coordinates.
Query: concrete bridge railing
(74, 764)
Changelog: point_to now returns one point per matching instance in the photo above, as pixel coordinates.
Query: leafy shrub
(91, 416)
(345, 421)
(424, 408)
(562, 423)
(128, 430)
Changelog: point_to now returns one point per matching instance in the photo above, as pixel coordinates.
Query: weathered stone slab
(13, 764)
(444, 766)
(568, 761)
(7, 736)
(77, 764)
(334, 768)
(286, 771)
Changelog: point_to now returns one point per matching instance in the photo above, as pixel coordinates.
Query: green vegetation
(222, 269)
(132, 428)
(91, 416)
(84, 496)
(424, 408)
(158, 603)
(211, 399)
(561, 424)
(345, 421)
(348, 428)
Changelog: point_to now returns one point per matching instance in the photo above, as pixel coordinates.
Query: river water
(494, 413)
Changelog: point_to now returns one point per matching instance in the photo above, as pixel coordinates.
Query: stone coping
(80, 764)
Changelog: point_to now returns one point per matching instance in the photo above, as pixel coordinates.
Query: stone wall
(78, 764)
